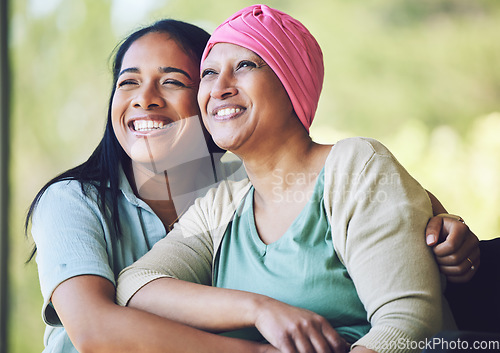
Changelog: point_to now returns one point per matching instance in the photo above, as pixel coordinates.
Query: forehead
(158, 49)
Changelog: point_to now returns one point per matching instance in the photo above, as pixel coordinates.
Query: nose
(148, 97)
(224, 86)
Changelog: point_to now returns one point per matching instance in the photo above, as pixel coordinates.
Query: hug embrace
(214, 254)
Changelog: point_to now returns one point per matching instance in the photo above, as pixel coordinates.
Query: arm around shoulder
(377, 229)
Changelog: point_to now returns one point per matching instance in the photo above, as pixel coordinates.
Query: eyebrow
(162, 69)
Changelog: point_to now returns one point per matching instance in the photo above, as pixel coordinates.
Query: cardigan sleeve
(379, 214)
(187, 252)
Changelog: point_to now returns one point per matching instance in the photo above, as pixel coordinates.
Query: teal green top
(301, 268)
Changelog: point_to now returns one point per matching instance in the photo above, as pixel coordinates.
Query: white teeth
(228, 111)
(149, 125)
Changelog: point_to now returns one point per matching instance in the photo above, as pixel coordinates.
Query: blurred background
(422, 76)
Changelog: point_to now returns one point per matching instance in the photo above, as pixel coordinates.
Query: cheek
(115, 116)
(117, 107)
(205, 122)
(116, 120)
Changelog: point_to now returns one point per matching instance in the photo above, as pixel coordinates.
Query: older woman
(332, 231)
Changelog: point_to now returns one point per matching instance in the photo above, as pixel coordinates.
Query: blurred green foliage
(422, 76)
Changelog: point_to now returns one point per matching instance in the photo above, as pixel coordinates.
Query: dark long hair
(102, 168)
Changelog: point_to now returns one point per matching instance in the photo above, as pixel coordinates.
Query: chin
(225, 144)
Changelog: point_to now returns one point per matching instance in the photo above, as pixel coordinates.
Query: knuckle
(464, 230)
(318, 318)
(293, 328)
(453, 259)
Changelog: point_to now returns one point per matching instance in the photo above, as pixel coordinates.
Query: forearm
(94, 323)
(203, 307)
(121, 329)
(219, 309)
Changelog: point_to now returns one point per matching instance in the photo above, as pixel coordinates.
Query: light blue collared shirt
(73, 237)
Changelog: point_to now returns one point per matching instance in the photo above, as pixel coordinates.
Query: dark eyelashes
(207, 72)
(125, 82)
(241, 64)
(246, 63)
(174, 82)
(166, 82)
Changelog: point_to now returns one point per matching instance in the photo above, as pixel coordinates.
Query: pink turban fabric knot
(286, 46)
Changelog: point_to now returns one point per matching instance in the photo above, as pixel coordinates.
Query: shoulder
(70, 191)
(360, 146)
(355, 153)
(64, 198)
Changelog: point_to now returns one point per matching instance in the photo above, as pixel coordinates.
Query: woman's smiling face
(155, 93)
(240, 94)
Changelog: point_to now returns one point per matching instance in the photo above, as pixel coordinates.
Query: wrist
(256, 306)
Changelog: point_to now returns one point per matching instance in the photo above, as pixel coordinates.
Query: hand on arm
(294, 329)
(287, 328)
(378, 236)
(85, 305)
(455, 247)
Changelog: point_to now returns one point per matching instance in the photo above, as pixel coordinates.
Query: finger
(454, 267)
(337, 343)
(303, 344)
(467, 268)
(286, 345)
(461, 278)
(319, 342)
(466, 276)
(469, 249)
(455, 234)
(433, 230)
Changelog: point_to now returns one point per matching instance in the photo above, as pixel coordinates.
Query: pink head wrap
(285, 45)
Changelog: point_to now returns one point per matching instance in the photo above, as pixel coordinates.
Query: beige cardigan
(378, 214)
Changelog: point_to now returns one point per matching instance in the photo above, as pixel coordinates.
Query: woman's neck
(169, 193)
(284, 182)
(291, 165)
